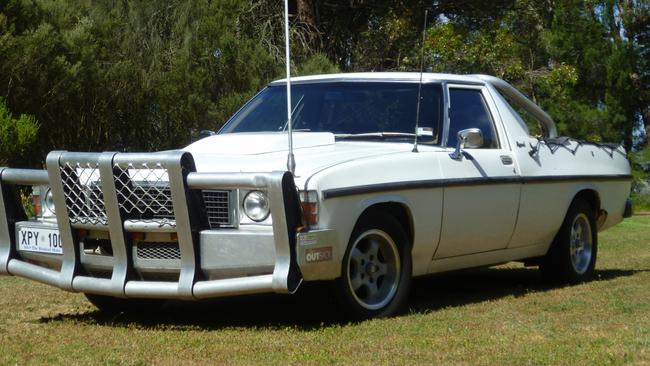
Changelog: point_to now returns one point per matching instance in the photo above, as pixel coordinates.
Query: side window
(469, 110)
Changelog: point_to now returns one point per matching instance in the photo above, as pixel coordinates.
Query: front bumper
(212, 263)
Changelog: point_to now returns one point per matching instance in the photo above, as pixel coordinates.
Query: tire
(376, 270)
(115, 305)
(572, 256)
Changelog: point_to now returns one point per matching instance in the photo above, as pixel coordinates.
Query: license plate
(37, 239)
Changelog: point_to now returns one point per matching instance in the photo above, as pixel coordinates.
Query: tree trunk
(307, 13)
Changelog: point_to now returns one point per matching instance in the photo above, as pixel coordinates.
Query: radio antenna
(417, 111)
(291, 162)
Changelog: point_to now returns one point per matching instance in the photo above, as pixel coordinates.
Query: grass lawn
(501, 315)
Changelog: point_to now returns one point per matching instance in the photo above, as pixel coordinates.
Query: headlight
(49, 201)
(256, 206)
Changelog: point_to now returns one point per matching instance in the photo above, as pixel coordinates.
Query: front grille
(158, 250)
(217, 206)
(83, 195)
(143, 191)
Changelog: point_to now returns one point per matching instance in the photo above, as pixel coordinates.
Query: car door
(482, 189)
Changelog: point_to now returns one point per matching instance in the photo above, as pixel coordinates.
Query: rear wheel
(114, 305)
(376, 271)
(572, 256)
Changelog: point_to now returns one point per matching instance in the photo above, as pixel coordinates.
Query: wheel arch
(394, 220)
(396, 208)
(559, 264)
(591, 196)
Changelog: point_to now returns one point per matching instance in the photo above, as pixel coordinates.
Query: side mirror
(470, 138)
(205, 133)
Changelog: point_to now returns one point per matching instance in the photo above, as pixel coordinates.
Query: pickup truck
(396, 175)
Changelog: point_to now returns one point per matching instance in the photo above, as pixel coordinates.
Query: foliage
(17, 135)
(570, 60)
(640, 161)
(134, 75)
(128, 75)
(317, 64)
(27, 200)
(641, 202)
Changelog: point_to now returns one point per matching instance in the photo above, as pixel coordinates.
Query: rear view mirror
(471, 138)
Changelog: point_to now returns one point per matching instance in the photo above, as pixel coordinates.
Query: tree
(570, 56)
(133, 75)
(116, 75)
(17, 135)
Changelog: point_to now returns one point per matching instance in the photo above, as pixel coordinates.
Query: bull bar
(188, 220)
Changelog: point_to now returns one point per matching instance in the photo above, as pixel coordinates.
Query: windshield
(345, 108)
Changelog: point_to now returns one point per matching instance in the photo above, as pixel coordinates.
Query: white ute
(374, 199)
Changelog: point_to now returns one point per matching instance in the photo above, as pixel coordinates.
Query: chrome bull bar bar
(188, 220)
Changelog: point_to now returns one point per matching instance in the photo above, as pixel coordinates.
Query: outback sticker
(318, 254)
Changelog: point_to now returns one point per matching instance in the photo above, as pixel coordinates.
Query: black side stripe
(467, 182)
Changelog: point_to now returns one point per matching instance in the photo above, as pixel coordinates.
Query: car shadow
(486, 284)
(315, 307)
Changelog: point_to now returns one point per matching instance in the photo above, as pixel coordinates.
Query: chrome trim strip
(69, 262)
(149, 226)
(446, 105)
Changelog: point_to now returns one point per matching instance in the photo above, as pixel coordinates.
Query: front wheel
(376, 271)
(572, 256)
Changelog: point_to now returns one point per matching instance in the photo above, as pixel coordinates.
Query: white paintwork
(478, 218)
(260, 152)
(453, 227)
(469, 227)
(257, 143)
(491, 206)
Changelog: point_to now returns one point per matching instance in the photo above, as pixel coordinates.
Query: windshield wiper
(374, 136)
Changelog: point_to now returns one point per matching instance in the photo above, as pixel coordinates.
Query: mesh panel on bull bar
(144, 193)
(83, 193)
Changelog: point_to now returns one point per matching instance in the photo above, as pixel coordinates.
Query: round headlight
(49, 201)
(256, 206)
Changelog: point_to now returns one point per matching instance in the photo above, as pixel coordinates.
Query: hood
(265, 152)
(258, 143)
